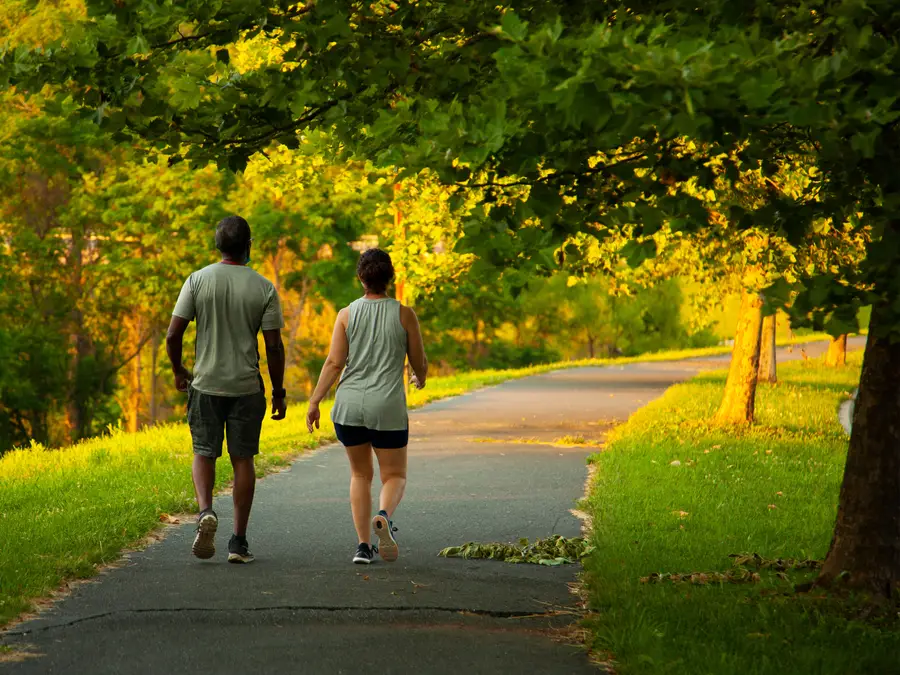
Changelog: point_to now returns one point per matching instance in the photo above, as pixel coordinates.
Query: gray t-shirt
(231, 304)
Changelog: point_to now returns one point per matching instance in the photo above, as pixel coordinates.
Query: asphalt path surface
(303, 607)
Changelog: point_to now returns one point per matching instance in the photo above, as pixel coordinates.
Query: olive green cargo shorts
(212, 419)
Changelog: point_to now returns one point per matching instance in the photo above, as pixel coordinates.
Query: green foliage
(554, 550)
(771, 489)
(594, 114)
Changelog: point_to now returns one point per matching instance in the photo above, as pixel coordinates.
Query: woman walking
(371, 340)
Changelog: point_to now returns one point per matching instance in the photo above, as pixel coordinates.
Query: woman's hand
(312, 416)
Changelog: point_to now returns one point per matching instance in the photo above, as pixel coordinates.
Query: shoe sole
(362, 561)
(205, 542)
(387, 545)
(238, 559)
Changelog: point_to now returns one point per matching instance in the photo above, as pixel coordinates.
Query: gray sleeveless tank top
(372, 391)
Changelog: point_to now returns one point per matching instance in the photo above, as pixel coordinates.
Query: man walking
(226, 397)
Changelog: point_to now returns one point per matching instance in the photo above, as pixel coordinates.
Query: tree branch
(143, 341)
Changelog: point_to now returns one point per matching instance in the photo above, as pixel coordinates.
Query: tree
(43, 165)
(837, 351)
(157, 224)
(767, 353)
(590, 104)
(306, 212)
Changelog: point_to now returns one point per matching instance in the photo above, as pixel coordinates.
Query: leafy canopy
(599, 108)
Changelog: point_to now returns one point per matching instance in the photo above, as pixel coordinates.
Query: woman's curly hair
(375, 270)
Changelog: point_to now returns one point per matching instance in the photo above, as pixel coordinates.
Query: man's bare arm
(276, 360)
(174, 348)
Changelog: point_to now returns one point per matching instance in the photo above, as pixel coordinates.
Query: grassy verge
(770, 490)
(64, 512)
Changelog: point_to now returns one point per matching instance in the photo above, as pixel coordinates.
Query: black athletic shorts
(212, 419)
(383, 440)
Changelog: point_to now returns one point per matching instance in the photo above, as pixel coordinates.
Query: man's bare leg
(244, 489)
(204, 473)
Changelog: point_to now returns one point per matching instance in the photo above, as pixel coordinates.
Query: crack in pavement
(492, 613)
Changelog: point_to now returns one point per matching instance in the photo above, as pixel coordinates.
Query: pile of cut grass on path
(65, 512)
(675, 495)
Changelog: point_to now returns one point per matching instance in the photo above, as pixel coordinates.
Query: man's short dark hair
(375, 270)
(233, 236)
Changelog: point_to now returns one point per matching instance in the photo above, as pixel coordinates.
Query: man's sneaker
(239, 551)
(205, 542)
(364, 554)
(384, 530)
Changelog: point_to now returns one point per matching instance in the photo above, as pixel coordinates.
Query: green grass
(64, 512)
(771, 489)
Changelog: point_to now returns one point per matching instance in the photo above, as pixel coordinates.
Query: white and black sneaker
(365, 554)
(384, 530)
(205, 541)
(239, 551)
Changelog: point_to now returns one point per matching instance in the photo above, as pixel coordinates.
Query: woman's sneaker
(384, 530)
(365, 554)
(205, 541)
(239, 551)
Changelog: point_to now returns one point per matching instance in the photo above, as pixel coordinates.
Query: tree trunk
(767, 369)
(837, 352)
(135, 396)
(154, 380)
(740, 390)
(76, 408)
(135, 381)
(591, 345)
(476, 345)
(866, 543)
(39, 427)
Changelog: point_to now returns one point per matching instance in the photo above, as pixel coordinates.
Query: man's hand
(312, 416)
(279, 408)
(183, 378)
(414, 381)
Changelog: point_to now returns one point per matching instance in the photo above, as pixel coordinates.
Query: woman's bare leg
(392, 465)
(361, 472)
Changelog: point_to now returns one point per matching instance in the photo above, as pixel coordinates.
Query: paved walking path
(302, 607)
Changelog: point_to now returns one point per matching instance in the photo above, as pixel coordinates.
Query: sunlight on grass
(676, 494)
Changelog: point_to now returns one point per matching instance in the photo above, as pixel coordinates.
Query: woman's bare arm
(415, 346)
(331, 370)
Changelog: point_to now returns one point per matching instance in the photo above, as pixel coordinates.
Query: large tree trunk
(740, 390)
(767, 369)
(837, 351)
(866, 543)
